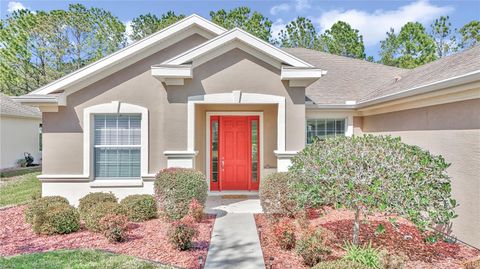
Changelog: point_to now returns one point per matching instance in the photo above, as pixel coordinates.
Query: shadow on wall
(464, 115)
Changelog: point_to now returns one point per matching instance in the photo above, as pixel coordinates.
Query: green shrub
(91, 199)
(339, 264)
(176, 187)
(94, 215)
(57, 218)
(374, 173)
(181, 234)
(366, 255)
(39, 205)
(139, 207)
(276, 195)
(311, 246)
(114, 227)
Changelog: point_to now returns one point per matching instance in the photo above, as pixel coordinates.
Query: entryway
(234, 152)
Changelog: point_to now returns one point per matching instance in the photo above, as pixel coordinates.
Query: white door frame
(209, 114)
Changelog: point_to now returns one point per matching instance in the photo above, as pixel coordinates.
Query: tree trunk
(356, 227)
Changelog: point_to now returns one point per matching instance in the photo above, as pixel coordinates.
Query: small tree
(371, 173)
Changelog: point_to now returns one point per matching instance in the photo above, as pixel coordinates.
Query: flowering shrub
(176, 187)
(284, 232)
(182, 232)
(195, 210)
(276, 195)
(114, 227)
(139, 207)
(371, 173)
(312, 247)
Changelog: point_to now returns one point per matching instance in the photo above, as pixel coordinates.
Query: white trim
(137, 47)
(117, 183)
(115, 107)
(209, 114)
(284, 159)
(236, 97)
(240, 35)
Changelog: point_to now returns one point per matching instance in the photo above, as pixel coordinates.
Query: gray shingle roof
(351, 79)
(12, 108)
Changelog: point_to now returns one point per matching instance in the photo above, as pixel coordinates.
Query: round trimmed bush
(276, 195)
(176, 187)
(312, 247)
(94, 215)
(57, 219)
(139, 207)
(91, 199)
(181, 234)
(340, 264)
(40, 205)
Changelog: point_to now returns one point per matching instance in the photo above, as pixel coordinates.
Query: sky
(371, 18)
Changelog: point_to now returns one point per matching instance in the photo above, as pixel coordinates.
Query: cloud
(302, 5)
(128, 31)
(374, 25)
(277, 26)
(279, 8)
(14, 6)
(299, 5)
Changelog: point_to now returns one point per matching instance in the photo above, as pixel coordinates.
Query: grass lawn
(19, 187)
(77, 259)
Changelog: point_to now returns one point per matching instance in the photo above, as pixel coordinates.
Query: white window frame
(326, 119)
(313, 114)
(115, 107)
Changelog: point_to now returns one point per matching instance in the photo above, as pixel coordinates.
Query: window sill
(117, 183)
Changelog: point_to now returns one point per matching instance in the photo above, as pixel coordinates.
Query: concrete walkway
(235, 242)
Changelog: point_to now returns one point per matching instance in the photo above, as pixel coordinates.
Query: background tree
(412, 47)
(145, 25)
(388, 49)
(364, 174)
(242, 17)
(443, 36)
(39, 47)
(342, 39)
(299, 33)
(470, 34)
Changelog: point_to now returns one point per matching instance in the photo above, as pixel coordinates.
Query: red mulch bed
(404, 238)
(147, 240)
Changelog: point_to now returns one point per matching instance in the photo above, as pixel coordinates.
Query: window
(214, 149)
(254, 135)
(324, 128)
(117, 145)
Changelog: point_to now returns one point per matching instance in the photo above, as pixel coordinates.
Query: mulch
(400, 239)
(147, 240)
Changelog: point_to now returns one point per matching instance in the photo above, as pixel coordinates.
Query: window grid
(324, 128)
(117, 146)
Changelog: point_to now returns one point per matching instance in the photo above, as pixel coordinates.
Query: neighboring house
(237, 108)
(20, 132)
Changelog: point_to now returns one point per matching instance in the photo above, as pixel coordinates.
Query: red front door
(237, 151)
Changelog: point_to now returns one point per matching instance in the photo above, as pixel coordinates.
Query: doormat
(233, 196)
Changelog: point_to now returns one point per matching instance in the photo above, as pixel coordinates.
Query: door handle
(222, 163)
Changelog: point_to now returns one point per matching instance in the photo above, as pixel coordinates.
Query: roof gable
(298, 72)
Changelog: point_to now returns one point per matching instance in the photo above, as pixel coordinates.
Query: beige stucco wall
(453, 131)
(235, 70)
(18, 135)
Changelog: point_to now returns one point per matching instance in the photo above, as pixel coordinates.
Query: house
(237, 108)
(20, 132)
